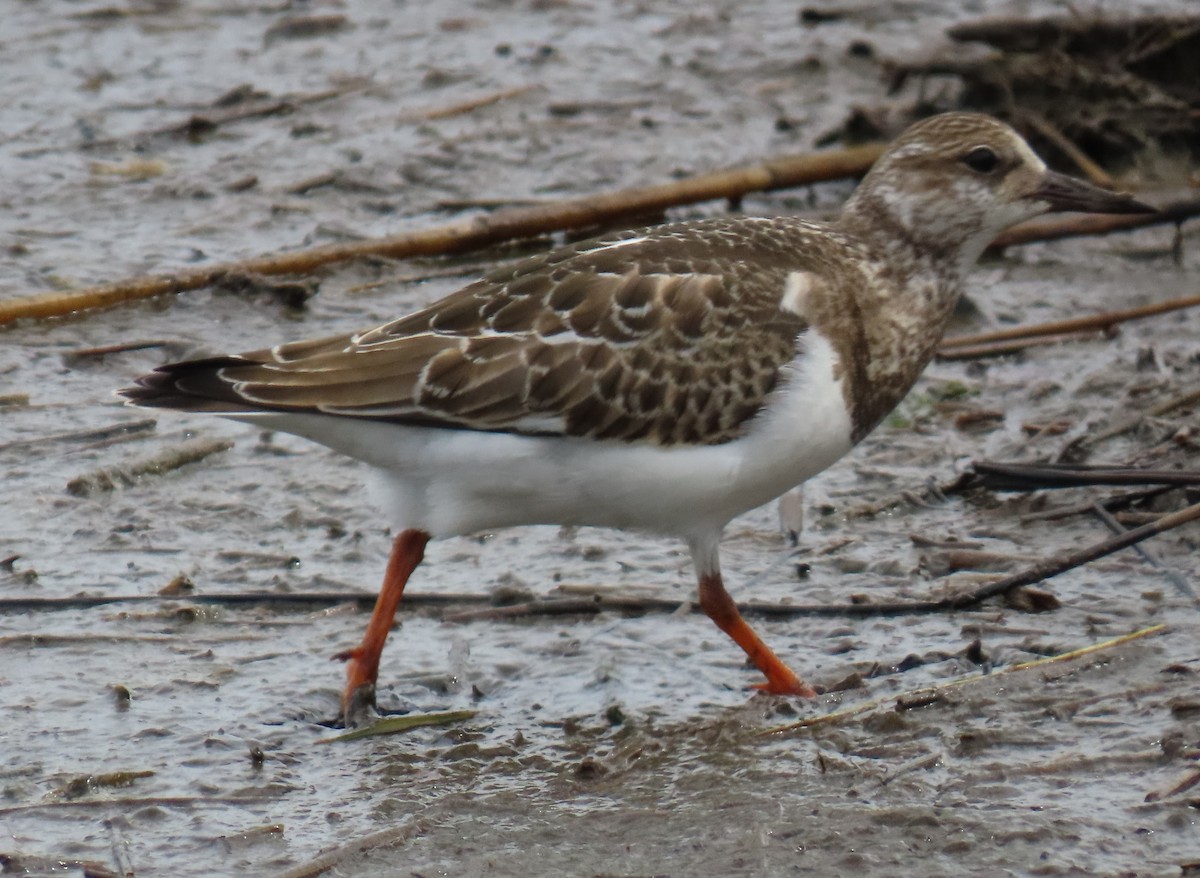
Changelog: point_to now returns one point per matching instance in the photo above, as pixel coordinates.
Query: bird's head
(952, 183)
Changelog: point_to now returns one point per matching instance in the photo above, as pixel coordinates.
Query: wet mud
(175, 737)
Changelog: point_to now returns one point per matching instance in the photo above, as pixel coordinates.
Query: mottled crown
(950, 135)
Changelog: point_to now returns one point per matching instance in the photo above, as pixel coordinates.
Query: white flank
(452, 482)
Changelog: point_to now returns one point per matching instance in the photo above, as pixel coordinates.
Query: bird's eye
(981, 159)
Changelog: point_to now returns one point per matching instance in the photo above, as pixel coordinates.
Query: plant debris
(1118, 91)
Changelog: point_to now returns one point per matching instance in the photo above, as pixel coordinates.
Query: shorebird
(665, 379)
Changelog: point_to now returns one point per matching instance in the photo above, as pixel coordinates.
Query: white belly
(451, 482)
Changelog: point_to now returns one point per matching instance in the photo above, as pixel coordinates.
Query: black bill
(1067, 193)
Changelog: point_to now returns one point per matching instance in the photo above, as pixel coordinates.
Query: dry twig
(470, 104)
(1191, 779)
(1089, 168)
(1061, 563)
(470, 234)
(1168, 406)
(364, 600)
(1151, 558)
(599, 603)
(127, 805)
(394, 725)
(162, 462)
(1091, 323)
(1009, 346)
(237, 111)
(997, 476)
(1086, 225)
(935, 691)
(523, 222)
(1045, 569)
(1120, 501)
(354, 849)
(96, 435)
(921, 763)
(1073, 764)
(120, 348)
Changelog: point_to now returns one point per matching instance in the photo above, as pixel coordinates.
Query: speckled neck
(872, 217)
(916, 282)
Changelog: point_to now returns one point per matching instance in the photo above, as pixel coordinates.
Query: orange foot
(358, 695)
(781, 680)
(362, 662)
(795, 686)
(719, 606)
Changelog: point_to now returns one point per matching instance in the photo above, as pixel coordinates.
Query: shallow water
(609, 744)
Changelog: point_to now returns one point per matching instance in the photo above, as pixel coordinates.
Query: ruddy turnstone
(665, 379)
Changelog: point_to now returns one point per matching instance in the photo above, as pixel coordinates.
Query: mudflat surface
(601, 745)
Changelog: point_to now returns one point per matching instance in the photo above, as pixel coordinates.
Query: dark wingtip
(190, 386)
(150, 389)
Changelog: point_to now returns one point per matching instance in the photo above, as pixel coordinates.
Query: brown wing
(668, 336)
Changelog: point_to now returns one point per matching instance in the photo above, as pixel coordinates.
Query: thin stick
(951, 351)
(1057, 228)
(167, 460)
(325, 178)
(383, 838)
(1090, 169)
(523, 222)
(933, 691)
(1061, 563)
(1170, 405)
(120, 348)
(212, 118)
(1117, 502)
(473, 103)
(1118, 429)
(554, 607)
(1181, 584)
(1014, 34)
(1076, 763)
(548, 607)
(1191, 779)
(1036, 573)
(471, 234)
(364, 600)
(393, 725)
(129, 804)
(997, 476)
(25, 864)
(96, 435)
(919, 764)
(120, 849)
(1094, 322)
(36, 641)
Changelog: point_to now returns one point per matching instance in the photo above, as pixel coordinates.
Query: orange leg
(719, 606)
(362, 662)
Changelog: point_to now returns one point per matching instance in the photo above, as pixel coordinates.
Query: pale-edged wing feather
(669, 336)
